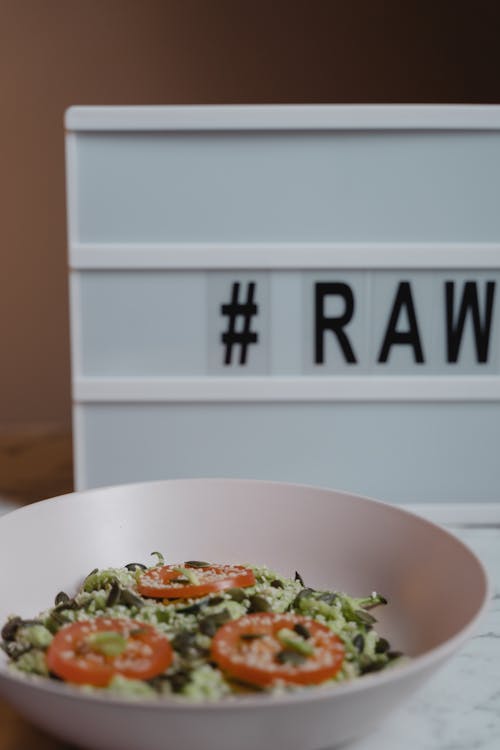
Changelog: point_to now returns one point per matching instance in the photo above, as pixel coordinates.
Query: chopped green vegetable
(189, 574)
(108, 643)
(291, 640)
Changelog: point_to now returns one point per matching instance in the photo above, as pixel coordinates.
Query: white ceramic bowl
(435, 585)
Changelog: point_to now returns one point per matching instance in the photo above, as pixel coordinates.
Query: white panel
(290, 186)
(399, 452)
(172, 210)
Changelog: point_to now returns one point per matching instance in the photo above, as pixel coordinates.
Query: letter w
(469, 302)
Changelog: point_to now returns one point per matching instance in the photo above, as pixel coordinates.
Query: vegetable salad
(199, 631)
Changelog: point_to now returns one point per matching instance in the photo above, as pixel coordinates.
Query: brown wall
(54, 53)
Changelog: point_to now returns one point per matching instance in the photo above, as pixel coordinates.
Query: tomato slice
(170, 582)
(251, 650)
(91, 652)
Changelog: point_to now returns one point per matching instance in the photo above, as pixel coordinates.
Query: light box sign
(294, 293)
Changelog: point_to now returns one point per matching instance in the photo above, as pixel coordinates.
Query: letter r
(333, 324)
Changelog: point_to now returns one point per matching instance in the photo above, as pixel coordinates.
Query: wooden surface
(34, 464)
(17, 734)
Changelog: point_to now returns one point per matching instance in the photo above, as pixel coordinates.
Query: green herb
(291, 640)
(189, 575)
(368, 602)
(109, 643)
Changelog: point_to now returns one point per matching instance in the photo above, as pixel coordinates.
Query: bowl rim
(407, 669)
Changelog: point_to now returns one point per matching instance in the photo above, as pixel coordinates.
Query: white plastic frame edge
(407, 388)
(285, 255)
(283, 117)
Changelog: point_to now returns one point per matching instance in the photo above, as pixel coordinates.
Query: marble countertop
(458, 709)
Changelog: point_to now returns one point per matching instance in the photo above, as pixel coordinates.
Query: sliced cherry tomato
(257, 649)
(184, 582)
(91, 652)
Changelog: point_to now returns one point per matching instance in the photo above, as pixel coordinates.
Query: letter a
(411, 336)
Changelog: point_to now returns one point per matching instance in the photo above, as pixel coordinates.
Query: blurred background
(56, 53)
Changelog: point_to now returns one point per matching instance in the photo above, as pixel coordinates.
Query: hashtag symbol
(235, 312)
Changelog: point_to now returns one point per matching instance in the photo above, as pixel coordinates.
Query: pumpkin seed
(135, 566)
(304, 593)
(70, 604)
(130, 599)
(216, 600)
(394, 655)
(363, 618)
(13, 625)
(298, 578)
(61, 598)
(359, 642)
(9, 630)
(258, 603)
(374, 666)
(289, 656)
(183, 642)
(237, 595)
(157, 682)
(114, 594)
(277, 584)
(251, 636)
(210, 624)
(301, 629)
(193, 609)
(329, 597)
(161, 559)
(246, 685)
(382, 646)
(179, 680)
(197, 564)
